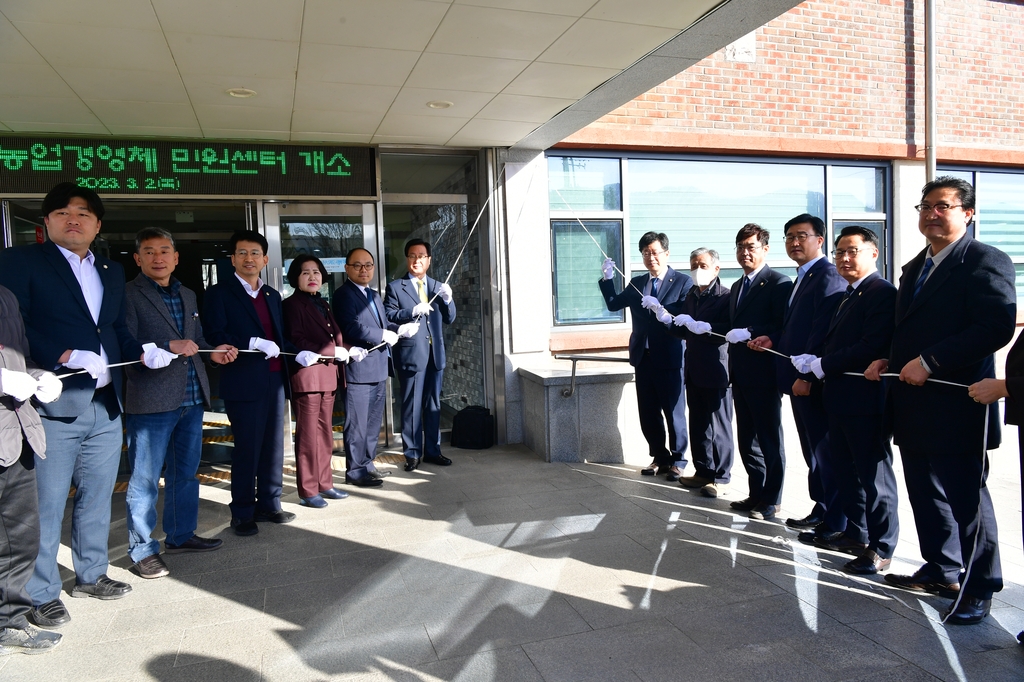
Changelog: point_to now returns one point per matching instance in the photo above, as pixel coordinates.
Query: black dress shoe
(819, 534)
(194, 544)
(103, 588)
(809, 521)
(868, 563)
(746, 504)
(840, 543)
(919, 583)
(364, 482)
(244, 527)
(439, 460)
(969, 611)
(274, 516)
(377, 475)
(152, 567)
(333, 494)
(51, 615)
(673, 474)
(1020, 637)
(764, 512)
(412, 464)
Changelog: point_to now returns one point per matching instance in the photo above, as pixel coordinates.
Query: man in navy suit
(860, 331)
(73, 304)
(657, 356)
(757, 307)
(420, 358)
(955, 308)
(245, 313)
(815, 297)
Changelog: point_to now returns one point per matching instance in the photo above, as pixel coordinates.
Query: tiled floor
(505, 568)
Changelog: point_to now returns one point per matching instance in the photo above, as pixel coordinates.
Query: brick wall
(844, 77)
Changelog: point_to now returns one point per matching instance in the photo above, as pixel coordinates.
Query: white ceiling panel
(268, 19)
(37, 126)
(523, 108)
(250, 118)
(347, 97)
(399, 124)
(411, 140)
(458, 72)
(212, 89)
(45, 110)
(243, 134)
(394, 24)
(3, 127)
(240, 57)
(129, 14)
(100, 46)
(664, 13)
(362, 65)
(478, 131)
(413, 102)
(309, 121)
(14, 49)
(125, 84)
(605, 44)
(155, 131)
(30, 80)
(340, 138)
(558, 80)
(505, 34)
(569, 8)
(164, 114)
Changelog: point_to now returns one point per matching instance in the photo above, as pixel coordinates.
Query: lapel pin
(104, 267)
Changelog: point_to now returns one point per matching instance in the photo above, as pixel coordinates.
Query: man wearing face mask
(706, 369)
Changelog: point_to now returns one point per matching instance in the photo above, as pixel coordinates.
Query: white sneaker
(27, 641)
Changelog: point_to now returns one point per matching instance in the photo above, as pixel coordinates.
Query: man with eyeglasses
(361, 315)
(245, 313)
(858, 333)
(816, 295)
(657, 356)
(955, 308)
(424, 304)
(757, 306)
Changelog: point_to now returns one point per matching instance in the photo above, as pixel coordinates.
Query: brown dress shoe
(694, 481)
(918, 583)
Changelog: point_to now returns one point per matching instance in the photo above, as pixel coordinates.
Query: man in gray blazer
(165, 407)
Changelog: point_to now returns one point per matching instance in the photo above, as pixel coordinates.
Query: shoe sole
(944, 593)
(104, 597)
(154, 577)
(10, 651)
(190, 550)
(49, 625)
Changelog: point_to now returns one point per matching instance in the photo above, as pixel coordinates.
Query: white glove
(682, 320)
(803, 362)
(816, 369)
(156, 358)
(48, 388)
(341, 354)
(18, 385)
(738, 336)
(608, 268)
(446, 293)
(699, 327)
(409, 330)
(421, 309)
(389, 337)
(650, 302)
(264, 345)
(306, 358)
(357, 354)
(87, 360)
(664, 316)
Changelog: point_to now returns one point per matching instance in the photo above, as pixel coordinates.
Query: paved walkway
(505, 568)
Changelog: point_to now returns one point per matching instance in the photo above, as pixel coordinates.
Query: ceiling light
(439, 104)
(242, 93)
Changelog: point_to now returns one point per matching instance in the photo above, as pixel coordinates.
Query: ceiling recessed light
(242, 93)
(440, 104)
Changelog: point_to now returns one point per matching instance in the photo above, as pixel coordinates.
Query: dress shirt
(801, 272)
(92, 289)
(252, 293)
(937, 258)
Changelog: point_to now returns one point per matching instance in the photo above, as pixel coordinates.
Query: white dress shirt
(92, 289)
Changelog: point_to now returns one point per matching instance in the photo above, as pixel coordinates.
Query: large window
(577, 268)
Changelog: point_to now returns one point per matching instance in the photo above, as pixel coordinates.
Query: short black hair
(651, 237)
(864, 233)
(417, 242)
(815, 222)
(148, 233)
(295, 269)
(964, 189)
(753, 230)
(61, 195)
(348, 256)
(248, 236)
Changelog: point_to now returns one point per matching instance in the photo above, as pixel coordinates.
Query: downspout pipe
(931, 117)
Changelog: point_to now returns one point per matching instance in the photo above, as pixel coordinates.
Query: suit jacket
(148, 319)
(965, 312)
(361, 328)
(18, 421)
(308, 329)
(1015, 382)
(666, 350)
(859, 334)
(761, 312)
(231, 318)
(411, 354)
(706, 357)
(807, 320)
(57, 318)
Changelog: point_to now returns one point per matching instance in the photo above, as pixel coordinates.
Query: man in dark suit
(812, 303)
(860, 331)
(165, 408)
(359, 311)
(72, 302)
(956, 307)
(657, 356)
(245, 313)
(706, 371)
(420, 358)
(757, 307)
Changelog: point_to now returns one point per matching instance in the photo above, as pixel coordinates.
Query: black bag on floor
(473, 428)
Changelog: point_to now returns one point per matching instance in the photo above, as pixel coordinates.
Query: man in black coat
(956, 307)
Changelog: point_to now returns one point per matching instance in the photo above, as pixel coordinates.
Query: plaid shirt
(172, 299)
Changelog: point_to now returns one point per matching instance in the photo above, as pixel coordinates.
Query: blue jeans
(173, 439)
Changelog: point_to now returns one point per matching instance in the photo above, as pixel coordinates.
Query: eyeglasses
(360, 266)
(652, 254)
(747, 248)
(798, 237)
(417, 258)
(245, 254)
(851, 252)
(938, 208)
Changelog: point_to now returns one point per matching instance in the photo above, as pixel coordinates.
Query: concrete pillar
(908, 177)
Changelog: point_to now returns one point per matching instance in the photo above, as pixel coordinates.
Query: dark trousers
(421, 411)
(314, 441)
(19, 538)
(661, 402)
(257, 460)
(812, 427)
(952, 506)
(862, 461)
(364, 413)
(711, 431)
(759, 440)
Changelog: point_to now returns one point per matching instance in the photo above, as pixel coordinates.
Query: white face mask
(703, 278)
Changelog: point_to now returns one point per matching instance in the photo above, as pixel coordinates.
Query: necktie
(744, 288)
(373, 306)
(928, 263)
(849, 293)
(799, 278)
(422, 289)
(654, 287)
